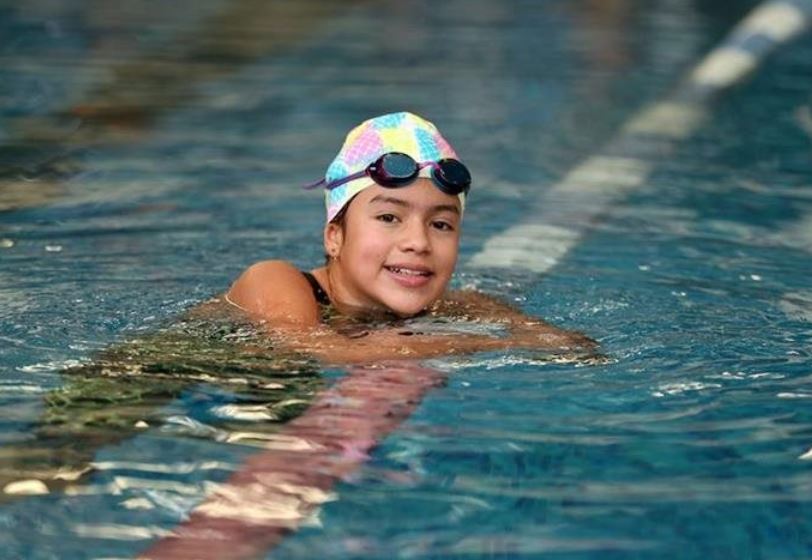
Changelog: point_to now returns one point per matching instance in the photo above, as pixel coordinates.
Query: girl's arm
(525, 331)
(275, 294)
(392, 342)
(382, 343)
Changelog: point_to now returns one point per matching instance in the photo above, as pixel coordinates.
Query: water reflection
(276, 491)
(124, 389)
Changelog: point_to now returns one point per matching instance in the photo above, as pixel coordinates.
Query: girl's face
(397, 249)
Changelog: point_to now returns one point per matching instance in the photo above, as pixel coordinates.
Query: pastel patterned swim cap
(395, 132)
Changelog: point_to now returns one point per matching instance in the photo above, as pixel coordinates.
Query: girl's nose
(415, 238)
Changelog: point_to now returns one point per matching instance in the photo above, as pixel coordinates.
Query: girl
(395, 196)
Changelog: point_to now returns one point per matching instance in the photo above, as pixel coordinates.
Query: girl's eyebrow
(383, 199)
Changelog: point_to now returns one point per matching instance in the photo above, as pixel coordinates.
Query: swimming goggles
(395, 169)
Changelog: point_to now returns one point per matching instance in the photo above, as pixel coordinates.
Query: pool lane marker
(559, 217)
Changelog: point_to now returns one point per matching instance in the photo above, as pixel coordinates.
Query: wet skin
(391, 257)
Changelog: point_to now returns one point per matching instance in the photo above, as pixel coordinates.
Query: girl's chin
(405, 303)
(404, 310)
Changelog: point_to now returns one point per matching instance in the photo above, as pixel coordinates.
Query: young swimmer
(395, 196)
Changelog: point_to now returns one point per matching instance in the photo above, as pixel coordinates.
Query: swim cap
(395, 132)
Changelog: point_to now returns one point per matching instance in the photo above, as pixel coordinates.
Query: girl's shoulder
(270, 268)
(276, 291)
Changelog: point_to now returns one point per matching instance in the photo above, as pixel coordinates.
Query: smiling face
(396, 250)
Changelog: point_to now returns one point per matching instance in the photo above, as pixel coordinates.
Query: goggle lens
(394, 169)
(452, 176)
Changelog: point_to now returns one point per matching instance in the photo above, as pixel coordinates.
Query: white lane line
(597, 171)
(561, 214)
(803, 118)
(780, 21)
(724, 67)
(577, 199)
(533, 247)
(667, 119)
(763, 30)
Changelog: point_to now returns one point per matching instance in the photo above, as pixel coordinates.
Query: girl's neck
(329, 277)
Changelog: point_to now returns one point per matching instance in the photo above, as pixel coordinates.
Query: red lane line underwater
(559, 217)
(275, 491)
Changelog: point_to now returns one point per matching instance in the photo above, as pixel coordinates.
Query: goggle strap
(314, 184)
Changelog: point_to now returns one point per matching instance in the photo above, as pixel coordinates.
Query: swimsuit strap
(318, 292)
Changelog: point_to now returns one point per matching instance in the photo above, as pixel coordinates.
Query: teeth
(407, 271)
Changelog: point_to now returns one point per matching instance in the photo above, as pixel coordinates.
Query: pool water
(149, 153)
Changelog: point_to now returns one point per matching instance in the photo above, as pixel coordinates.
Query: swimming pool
(150, 155)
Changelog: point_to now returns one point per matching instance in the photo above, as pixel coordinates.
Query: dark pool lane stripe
(38, 154)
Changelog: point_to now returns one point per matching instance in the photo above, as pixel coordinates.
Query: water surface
(149, 154)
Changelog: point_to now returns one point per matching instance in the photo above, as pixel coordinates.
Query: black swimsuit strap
(318, 292)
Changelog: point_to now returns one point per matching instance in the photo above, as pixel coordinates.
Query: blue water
(686, 444)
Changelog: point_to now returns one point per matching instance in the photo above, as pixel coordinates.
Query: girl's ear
(333, 239)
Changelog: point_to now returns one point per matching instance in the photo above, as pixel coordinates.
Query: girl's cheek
(372, 247)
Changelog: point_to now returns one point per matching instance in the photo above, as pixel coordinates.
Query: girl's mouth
(408, 271)
(410, 277)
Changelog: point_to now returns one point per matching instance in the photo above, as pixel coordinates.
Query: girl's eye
(387, 218)
(443, 226)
